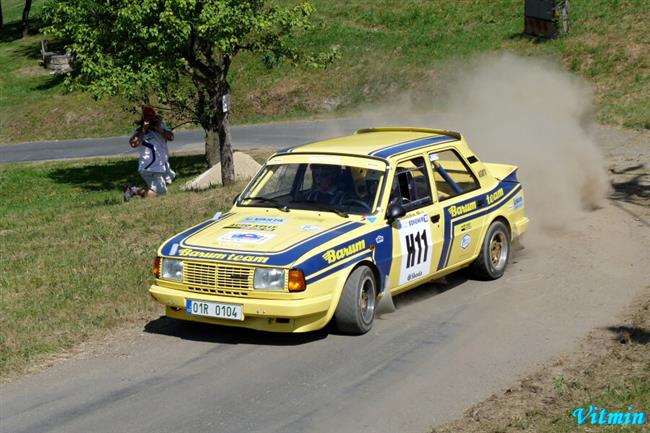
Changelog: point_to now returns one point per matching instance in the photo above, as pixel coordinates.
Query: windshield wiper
(273, 201)
(323, 207)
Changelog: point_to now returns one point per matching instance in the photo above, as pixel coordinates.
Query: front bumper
(275, 315)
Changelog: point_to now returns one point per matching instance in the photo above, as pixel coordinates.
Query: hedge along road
(447, 346)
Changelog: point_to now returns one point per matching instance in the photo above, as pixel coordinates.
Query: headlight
(172, 269)
(269, 279)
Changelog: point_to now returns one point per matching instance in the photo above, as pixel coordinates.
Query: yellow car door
(417, 233)
(457, 189)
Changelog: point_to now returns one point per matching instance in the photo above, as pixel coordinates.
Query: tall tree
(26, 9)
(180, 51)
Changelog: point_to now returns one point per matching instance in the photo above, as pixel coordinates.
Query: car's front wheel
(493, 259)
(355, 312)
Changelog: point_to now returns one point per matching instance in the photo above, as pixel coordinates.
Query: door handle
(435, 218)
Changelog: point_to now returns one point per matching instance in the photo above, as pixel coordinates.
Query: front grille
(217, 291)
(218, 277)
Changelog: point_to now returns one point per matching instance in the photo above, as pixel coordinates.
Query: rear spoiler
(410, 129)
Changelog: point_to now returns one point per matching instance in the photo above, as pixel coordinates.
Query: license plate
(214, 309)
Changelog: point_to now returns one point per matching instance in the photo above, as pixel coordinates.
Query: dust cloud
(526, 112)
(533, 114)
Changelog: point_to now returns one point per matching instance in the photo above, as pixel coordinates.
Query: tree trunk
(218, 147)
(212, 146)
(28, 6)
(225, 151)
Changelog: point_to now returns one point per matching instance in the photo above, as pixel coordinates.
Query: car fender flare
(342, 277)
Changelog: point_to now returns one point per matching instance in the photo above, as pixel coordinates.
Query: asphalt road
(448, 345)
(244, 137)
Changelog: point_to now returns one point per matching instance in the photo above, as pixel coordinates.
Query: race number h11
(416, 253)
(416, 247)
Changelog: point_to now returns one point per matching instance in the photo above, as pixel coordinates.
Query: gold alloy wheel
(498, 251)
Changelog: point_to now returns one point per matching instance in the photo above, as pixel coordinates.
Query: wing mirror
(395, 211)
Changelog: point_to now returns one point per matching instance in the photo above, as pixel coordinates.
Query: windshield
(321, 187)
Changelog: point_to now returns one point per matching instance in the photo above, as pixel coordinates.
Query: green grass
(387, 47)
(75, 259)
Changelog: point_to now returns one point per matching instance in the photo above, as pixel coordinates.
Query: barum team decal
(496, 195)
(334, 255)
(232, 257)
(459, 210)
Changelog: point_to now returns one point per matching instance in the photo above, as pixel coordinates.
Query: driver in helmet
(325, 187)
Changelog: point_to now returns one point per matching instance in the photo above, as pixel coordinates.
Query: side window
(411, 185)
(451, 175)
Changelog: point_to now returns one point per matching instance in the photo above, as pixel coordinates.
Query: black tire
(492, 261)
(355, 312)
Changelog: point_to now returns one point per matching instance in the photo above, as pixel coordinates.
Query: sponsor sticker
(379, 239)
(519, 202)
(372, 219)
(325, 160)
(259, 227)
(262, 220)
(311, 228)
(464, 243)
(246, 238)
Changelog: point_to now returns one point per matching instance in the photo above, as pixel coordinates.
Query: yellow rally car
(325, 229)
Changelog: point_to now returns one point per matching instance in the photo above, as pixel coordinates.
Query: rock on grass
(245, 168)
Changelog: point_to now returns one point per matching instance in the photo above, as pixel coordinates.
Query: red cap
(148, 112)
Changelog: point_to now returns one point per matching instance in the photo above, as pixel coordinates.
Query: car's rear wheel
(492, 261)
(355, 312)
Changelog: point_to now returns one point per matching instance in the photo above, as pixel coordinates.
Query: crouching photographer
(151, 139)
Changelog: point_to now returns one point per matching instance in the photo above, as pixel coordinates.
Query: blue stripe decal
(337, 268)
(166, 248)
(285, 257)
(321, 237)
(510, 189)
(396, 149)
(153, 152)
(382, 254)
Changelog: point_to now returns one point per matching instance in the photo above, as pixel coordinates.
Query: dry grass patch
(610, 370)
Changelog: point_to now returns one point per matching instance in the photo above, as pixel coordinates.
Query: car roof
(381, 143)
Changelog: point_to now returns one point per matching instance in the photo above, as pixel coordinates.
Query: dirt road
(447, 346)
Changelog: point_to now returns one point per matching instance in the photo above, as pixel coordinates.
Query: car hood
(258, 236)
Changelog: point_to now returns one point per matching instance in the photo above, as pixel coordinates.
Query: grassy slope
(387, 47)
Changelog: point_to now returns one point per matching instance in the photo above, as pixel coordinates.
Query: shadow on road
(635, 188)
(205, 332)
(111, 175)
(630, 334)
(196, 331)
(430, 290)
